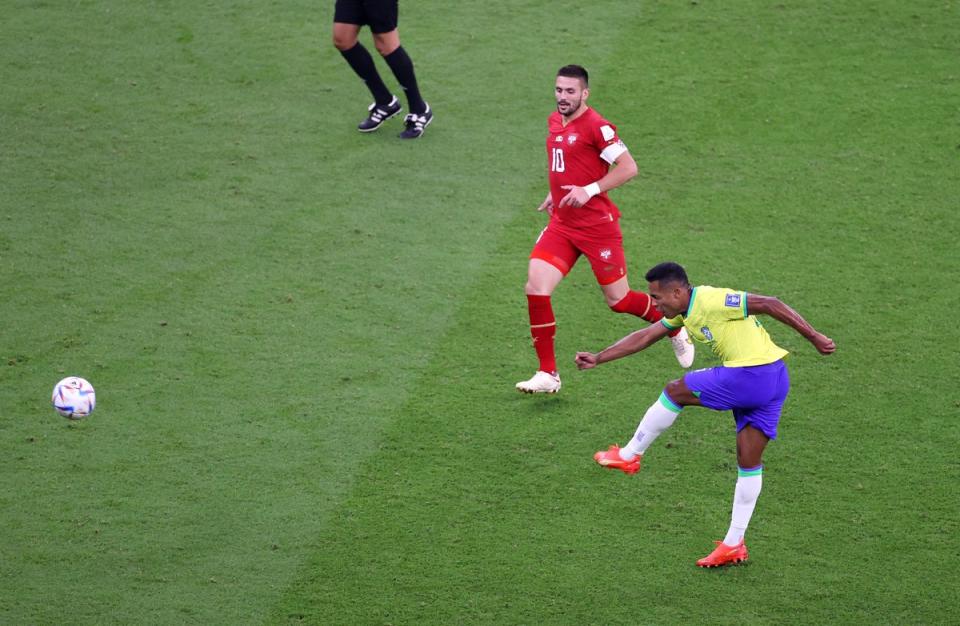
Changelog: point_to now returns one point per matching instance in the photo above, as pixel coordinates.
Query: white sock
(749, 483)
(657, 419)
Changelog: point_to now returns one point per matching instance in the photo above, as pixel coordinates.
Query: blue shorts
(755, 394)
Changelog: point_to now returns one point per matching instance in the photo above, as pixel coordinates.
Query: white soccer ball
(74, 398)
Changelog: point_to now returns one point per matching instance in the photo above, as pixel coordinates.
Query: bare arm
(631, 344)
(768, 305)
(624, 169)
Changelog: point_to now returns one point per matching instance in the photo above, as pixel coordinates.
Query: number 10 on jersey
(556, 162)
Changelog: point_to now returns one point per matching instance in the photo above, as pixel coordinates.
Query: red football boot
(611, 458)
(724, 555)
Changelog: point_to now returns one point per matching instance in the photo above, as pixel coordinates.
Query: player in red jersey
(581, 147)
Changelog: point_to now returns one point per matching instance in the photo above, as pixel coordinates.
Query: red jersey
(578, 154)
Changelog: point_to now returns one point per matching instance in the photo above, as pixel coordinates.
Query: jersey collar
(567, 125)
(693, 295)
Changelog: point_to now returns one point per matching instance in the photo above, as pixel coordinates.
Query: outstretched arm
(768, 305)
(632, 343)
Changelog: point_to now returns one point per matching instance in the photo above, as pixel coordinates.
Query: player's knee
(677, 392)
(617, 306)
(345, 35)
(749, 458)
(342, 43)
(386, 43)
(537, 285)
(533, 288)
(751, 443)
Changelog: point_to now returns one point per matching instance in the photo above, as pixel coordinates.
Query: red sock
(640, 304)
(543, 327)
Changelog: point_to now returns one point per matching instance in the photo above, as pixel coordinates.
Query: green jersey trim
(693, 295)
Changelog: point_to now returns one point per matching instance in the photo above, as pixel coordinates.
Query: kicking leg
(659, 417)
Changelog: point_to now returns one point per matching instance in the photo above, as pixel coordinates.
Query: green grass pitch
(304, 340)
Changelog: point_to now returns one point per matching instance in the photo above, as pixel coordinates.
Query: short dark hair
(575, 71)
(667, 272)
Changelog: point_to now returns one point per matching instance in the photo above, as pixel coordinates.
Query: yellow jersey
(718, 317)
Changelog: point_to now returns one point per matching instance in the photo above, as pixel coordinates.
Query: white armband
(612, 152)
(592, 189)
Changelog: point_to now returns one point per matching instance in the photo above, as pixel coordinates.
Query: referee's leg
(359, 59)
(389, 47)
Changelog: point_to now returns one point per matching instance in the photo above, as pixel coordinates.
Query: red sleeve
(607, 140)
(604, 133)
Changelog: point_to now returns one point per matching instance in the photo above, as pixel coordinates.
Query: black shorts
(379, 15)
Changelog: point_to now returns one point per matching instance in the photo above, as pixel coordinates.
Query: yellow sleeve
(731, 304)
(673, 323)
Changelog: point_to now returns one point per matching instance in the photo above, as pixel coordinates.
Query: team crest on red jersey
(571, 139)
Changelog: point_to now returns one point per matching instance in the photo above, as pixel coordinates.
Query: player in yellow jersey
(753, 381)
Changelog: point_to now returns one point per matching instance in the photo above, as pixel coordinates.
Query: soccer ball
(74, 398)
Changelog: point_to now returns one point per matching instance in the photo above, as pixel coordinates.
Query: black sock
(402, 67)
(362, 63)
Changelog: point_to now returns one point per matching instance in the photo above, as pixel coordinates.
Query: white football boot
(542, 382)
(683, 348)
